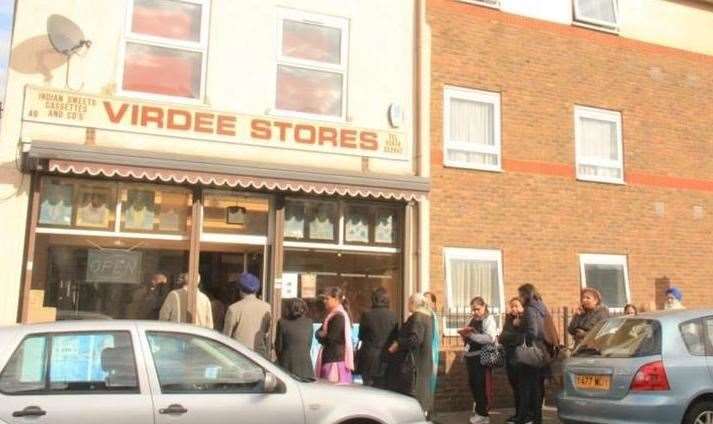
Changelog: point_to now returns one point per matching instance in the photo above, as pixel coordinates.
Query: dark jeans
(530, 384)
(477, 379)
(511, 370)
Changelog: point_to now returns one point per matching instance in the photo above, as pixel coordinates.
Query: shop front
(107, 219)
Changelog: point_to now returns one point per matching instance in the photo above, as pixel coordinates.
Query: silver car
(652, 368)
(141, 372)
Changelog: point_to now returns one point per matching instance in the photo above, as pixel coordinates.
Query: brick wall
(535, 211)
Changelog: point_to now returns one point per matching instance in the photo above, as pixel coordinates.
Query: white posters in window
(290, 281)
(309, 285)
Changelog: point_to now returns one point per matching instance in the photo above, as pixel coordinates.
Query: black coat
(333, 342)
(377, 329)
(586, 321)
(292, 345)
(415, 346)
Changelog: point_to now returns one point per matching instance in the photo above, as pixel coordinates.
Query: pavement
(498, 416)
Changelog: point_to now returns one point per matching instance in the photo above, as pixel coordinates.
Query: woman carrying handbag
(480, 338)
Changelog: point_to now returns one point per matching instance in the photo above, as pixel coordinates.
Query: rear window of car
(622, 338)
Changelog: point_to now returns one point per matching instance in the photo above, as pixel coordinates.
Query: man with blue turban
(248, 320)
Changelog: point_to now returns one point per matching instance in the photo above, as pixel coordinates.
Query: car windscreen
(622, 338)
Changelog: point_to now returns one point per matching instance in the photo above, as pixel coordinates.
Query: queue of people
(400, 357)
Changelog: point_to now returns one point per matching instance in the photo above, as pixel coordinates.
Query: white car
(143, 372)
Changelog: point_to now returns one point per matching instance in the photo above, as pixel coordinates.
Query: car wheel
(700, 413)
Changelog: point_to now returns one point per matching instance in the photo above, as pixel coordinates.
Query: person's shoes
(511, 420)
(479, 419)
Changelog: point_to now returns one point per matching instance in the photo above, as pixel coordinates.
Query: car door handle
(30, 411)
(173, 409)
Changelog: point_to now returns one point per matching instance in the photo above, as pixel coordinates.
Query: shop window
(599, 145)
(311, 220)
(95, 205)
(608, 274)
(57, 203)
(370, 224)
(150, 209)
(308, 273)
(600, 13)
(235, 214)
(471, 133)
(471, 273)
(165, 49)
(311, 64)
(76, 363)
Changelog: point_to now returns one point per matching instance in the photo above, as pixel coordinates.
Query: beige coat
(175, 308)
(248, 321)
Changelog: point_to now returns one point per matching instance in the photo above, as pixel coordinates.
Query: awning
(82, 160)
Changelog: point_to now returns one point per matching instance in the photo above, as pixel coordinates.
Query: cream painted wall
(681, 24)
(240, 78)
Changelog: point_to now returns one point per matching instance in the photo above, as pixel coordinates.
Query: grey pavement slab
(497, 416)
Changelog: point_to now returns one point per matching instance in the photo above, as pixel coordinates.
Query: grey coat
(248, 321)
(586, 321)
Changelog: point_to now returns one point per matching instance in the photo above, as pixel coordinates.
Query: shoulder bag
(492, 355)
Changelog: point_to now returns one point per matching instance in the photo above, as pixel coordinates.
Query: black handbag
(492, 355)
(532, 356)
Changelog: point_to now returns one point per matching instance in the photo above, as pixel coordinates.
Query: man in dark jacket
(377, 329)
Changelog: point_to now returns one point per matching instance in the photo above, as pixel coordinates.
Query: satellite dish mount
(66, 38)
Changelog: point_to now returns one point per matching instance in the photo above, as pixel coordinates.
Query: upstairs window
(489, 3)
(601, 13)
(311, 65)
(165, 48)
(598, 145)
(471, 133)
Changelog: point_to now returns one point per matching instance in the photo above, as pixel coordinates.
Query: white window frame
(475, 255)
(605, 259)
(596, 23)
(489, 97)
(150, 40)
(342, 68)
(599, 115)
(494, 4)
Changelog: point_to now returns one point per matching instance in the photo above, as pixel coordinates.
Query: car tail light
(651, 378)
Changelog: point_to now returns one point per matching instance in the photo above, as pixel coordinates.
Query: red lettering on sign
(115, 117)
(134, 115)
(226, 125)
(204, 122)
(152, 114)
(260, 129)
(300, 130)
(283, 126)
(348, 138)
(173, 124)
(328, 135)
(369, 141)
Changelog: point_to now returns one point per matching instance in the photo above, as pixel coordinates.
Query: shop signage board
(200, 124)
(113, 266)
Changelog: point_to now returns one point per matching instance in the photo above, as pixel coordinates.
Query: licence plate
(593, 382)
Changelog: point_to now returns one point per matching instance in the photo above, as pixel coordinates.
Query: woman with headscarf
(411, 366)
(335, 361)
(674, 296)
(590, 313)
(377, 329)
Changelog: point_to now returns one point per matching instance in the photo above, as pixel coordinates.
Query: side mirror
(272, 384)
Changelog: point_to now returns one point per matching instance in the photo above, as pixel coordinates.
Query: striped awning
(93, 162)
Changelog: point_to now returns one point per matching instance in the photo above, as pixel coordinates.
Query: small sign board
(114, 266)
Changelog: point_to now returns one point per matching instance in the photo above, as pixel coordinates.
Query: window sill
(586, 179)
(595, 27)
(478, 3)
(456, 165)
(279, 113)
(139, 95)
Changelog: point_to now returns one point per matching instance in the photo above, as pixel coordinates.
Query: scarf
(348, 345)
(435, 350)
(676, 304)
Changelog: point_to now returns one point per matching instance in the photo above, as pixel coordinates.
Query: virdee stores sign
(197, 124)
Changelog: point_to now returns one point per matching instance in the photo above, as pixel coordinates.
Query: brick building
(567, 152)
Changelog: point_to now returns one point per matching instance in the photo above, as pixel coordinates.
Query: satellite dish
(66, 36)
